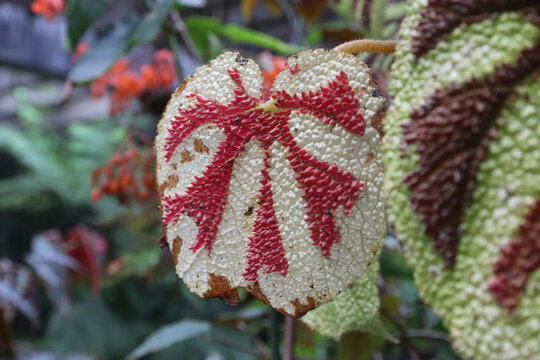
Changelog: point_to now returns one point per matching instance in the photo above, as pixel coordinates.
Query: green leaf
(140, 262)
(180, 4)
(201, 28)
(103, 54)
(81, 14)
(395, 11)
(244, 35)
(91, 326)
(378, 18)
(175, 47)
(314, 36)
(122, 38)
(170, 335)
(149, 27)
(29, 114)
(354, 309)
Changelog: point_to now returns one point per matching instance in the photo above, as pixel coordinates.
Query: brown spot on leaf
(177, 245)
(370, 157)
(186, 156)
(221, 288)
(451, 132)
(200, 147)
(170, 183)
(301, 309)
(256, 291)
(377, 120)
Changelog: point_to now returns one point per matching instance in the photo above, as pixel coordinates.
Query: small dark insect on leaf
(249, 211)
(240, 60)
(377, 93)
(163, 243)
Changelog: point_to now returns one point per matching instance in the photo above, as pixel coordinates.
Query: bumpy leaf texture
(462, 154)
(356, 308)
(276, 191)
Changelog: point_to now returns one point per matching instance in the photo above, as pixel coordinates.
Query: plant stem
(6, 349)
(288, 342)
(274, 334)
(367, 45)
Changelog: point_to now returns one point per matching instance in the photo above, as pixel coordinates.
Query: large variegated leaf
(462, 155)
(277, 192)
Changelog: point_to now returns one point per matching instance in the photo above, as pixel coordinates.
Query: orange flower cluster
(127, 85)
(120, 177)
(48, 8)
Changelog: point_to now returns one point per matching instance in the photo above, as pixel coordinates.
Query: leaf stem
(274, 334)
(367, 45)
(288, 341)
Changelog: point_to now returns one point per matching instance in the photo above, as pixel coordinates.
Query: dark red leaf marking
(519, 259)
(334, 103)
(451, 132)
(265, 246)
(294, 70)
(440, 17)
(325, 186)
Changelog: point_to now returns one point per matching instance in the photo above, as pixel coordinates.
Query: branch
(367, 45)
(429, 334)
(404, 332)
(180, 26)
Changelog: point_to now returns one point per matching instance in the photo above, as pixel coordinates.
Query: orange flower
(48, 8)
(164, 63)
(99, 86)
(272, 66)
(127, 84)
(119, 66)
(163, 55)
(149, 75)
(127, 176)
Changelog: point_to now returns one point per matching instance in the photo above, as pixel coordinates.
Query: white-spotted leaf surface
(275, 191)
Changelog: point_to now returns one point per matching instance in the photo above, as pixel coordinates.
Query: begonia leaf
(355, 309)
(463, 168)
(275, 191)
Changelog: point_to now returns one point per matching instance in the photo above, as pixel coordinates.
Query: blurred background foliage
(82, 273)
